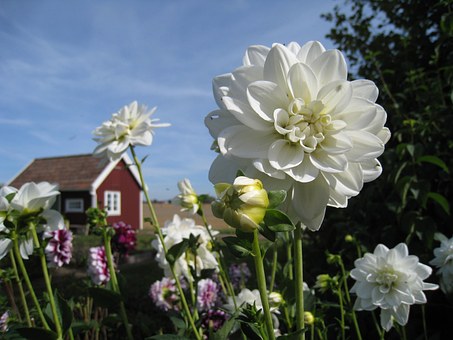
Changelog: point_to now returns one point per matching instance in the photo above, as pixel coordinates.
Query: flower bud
(309, 319)
(275, 299)
(188, 198)
(243, 204)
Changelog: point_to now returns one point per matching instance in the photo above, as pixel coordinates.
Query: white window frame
(69, 201)
(112, 196)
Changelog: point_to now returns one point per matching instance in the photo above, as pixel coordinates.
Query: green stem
(298, 259)
(348, 300)
(261, 279)
(340, 300)
(155, 223)
(49, 289)
(225, 278)
(21, 289)
(24, 273)
(114, 281)
(425, 329)
(380, 331)
(289, 255)
(274, 265)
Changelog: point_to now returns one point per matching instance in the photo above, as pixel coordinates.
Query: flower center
(302, 123)
(386, 279)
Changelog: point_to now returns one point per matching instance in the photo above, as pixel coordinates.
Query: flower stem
(21, 289)
(289, 255)
(348, 299)
(155, 223)
(298, 259)
(24, 273)
(340, 300)
(274, 265)
(261, 279)
(45, 272)
(114, 280)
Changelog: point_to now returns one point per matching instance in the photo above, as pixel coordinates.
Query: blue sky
(66, 66)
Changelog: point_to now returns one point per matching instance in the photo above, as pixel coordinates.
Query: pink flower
(59, 247)
(164, 294)
(207, 294)
(124, 239)
(97, 266)
(4, 322)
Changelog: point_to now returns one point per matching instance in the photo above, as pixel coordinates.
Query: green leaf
(178, 322)
(239, 173)
(251, 331)
(276, 197)
(292, 336)
(226, 329)
(176, 251)
(434, 160)
(237, 246)
(266, 232)
(65, 312)
(37, 334)
(278, 221)
(104, 298)
(441, 200)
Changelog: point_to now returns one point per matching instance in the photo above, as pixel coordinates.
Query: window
(74, 205)
(112, 202)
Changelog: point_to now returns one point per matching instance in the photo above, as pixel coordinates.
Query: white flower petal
(265, 167)
(401, 314)
(285, 155)
(265, 97)
(371, 169)
(304, 172)
(329, 66)
(255, 55)
(386, 319)
(309, 200)
(327, 162)
(359, 114)
(244, 113)
(240, 141)
(336, 143)
(348, 182)
(365, 89)
(310, 51)
(302, 82)
(222, 170)
(277, 65)
(218, 120)
(365, 146)
(26, 247)
(335, 96)
(5, 246)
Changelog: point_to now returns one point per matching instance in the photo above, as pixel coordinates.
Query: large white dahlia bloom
(443, 260)
(290, 117)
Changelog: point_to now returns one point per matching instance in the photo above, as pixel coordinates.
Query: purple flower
(164, 294)
(97, 266)
(207, 294)
(239, 274)
(213, 319)
(124, 239)
(59, 247)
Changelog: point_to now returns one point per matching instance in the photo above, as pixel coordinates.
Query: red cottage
(84, 182)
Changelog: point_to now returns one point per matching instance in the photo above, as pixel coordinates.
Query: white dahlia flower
(290, 117)
(174, 232)
(130, 126)
(392, 280)
(443, 260)
(188, 198)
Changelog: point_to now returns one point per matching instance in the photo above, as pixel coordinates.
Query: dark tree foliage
(406, 48)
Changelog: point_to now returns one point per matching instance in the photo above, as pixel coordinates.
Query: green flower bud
(242, 204)
(309, 319)
(275, 299)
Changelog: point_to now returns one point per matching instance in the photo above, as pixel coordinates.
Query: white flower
(188, 198)
(290, 117)
(130, 126)
(252, 297)
(164, 294)
(175, 231)
(97, 266)
(443, 259)
(392, 280)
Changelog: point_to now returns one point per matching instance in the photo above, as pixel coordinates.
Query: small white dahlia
(130, 126)
(392, 280)
(174, 232)
(289, 117)
(443, 260)
(188, 198)
(59, 247)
